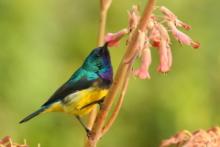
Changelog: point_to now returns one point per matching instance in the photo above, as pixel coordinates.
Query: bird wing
(77, 82)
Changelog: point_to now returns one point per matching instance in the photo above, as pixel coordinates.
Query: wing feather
(78, 81)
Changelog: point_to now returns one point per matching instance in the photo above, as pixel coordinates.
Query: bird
(86, 88)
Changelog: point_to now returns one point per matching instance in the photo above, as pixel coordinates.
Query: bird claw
(89, 133)
(100, 105)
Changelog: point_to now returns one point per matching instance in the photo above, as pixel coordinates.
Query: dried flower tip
(184, 25)
(133, 18)
(182, 37)
(177, 139)
(7, 141)
(113, 38)
(142, 72)
(200, 138)
(195, 44)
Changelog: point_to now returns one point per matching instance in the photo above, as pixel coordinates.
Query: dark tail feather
(32, 115)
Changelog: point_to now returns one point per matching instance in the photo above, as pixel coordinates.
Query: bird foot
(89, 133)
(100, 103)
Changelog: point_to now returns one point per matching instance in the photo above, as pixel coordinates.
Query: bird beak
(104, 48)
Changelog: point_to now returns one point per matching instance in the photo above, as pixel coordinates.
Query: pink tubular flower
(165, 58)
(155, 37)
(182, 37)
(113, 38)
(155, 34)
(165, 54)
(171, 17)
(164, 50)
(169, 55)
(142, 72)
(173, 22)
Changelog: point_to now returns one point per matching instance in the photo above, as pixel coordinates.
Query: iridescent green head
(99, 61)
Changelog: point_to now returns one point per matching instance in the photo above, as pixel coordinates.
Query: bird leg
(84, 126)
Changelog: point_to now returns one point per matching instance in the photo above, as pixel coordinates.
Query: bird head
(99, 61)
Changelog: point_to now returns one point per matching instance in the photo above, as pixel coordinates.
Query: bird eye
(99, 66)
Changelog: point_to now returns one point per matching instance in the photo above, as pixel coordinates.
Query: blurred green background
(43, 41)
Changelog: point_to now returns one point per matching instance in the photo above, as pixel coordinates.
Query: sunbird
(86, 88)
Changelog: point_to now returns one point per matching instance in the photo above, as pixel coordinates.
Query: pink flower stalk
(170, 16)
(113, 38)
(182, 37)
(142, 72)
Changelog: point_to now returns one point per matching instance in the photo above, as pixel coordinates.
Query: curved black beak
(104, 48)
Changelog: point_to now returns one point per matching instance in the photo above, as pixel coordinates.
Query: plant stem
(104, 7)
(91, 118)
(102, 26)
(117, 108)
(131, 53)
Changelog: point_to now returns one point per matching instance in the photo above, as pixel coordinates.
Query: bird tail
(32, 115)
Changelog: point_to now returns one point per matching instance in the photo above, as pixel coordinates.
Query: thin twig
(123, 68)
(91, 118)
(117, 108)
(102, 26)
(104, 7)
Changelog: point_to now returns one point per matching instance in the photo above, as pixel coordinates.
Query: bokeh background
(43, 41)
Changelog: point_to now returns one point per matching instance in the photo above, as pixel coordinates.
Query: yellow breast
(76, 102)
